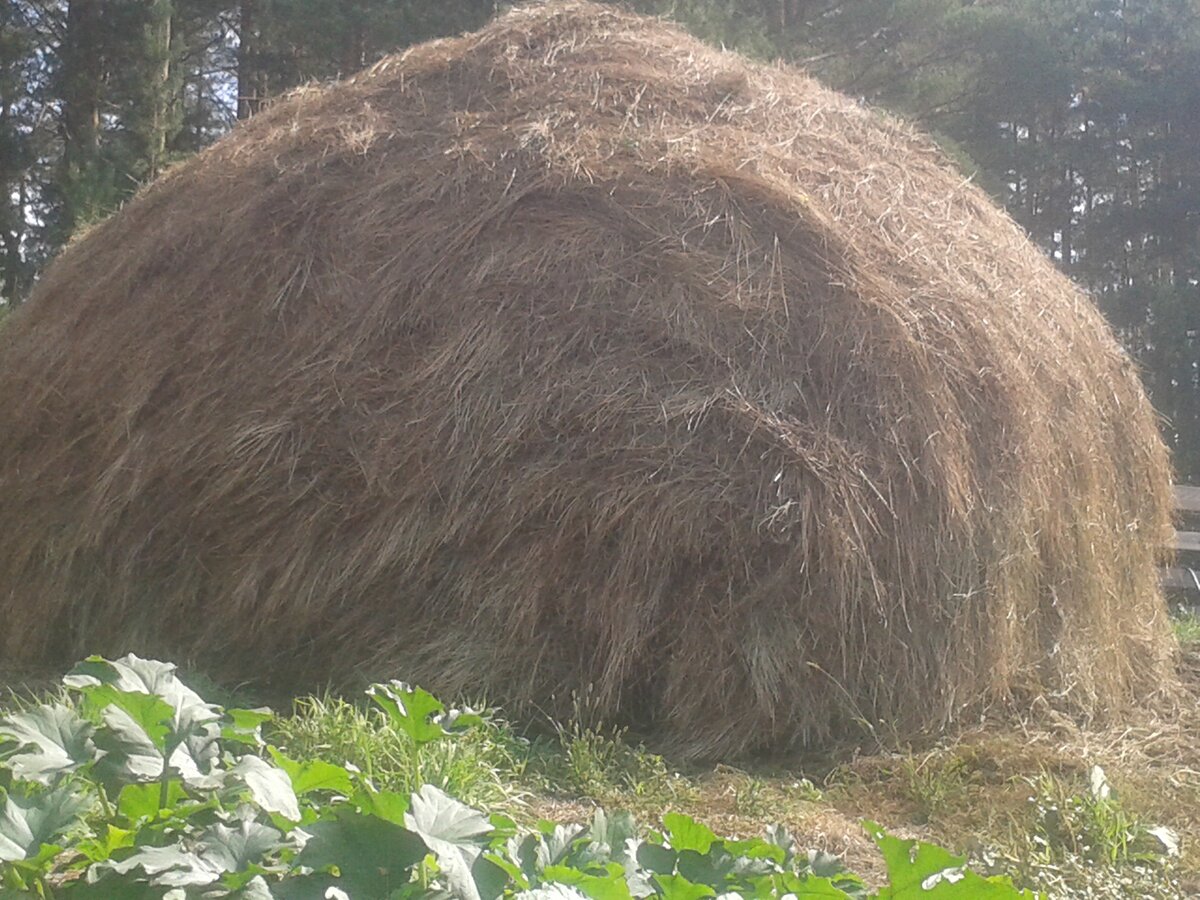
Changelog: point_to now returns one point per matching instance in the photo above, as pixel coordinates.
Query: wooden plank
(1186, 540)
(1178, 578)
(1187, 498)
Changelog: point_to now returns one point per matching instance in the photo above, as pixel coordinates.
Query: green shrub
(138, 788)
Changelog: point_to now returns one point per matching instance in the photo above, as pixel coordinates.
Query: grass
(1187, 627)
(484, 766)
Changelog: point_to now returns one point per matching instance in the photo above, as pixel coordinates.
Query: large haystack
(574, 352)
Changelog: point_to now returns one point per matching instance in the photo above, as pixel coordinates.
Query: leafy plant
(933, 783)
(141, 789)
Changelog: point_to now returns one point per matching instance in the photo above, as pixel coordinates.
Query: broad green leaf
(711, 868)
(138, 802)
(39, 862)
(409, 709)
(637, 877)
(503, 828)
(318, 886)
(612, 829)
(455, 833)
(586, 854)
(954, 884)
(110, 888)
(512, 869)
(153, 715)
(490, 879)
(29, 821)
(920, 870)
(758, 851)
(315, 775)
(456, 721)
(255, 889)
(132, 674)
(110, 839)
(244, 726)
(611, 838)
(610, 886)
(132, 753)
(658, 860)
(556, 844)
(551, 892)
(135, 743)
(910, 862)
(270, 787)
(51, 741)
(197, 758)
(372, 857)
(390, 806)
(187, 736)
(808, 887)
(219, 850)
(523, 851)
(436, 816)
(172, 866)
(240, 847)
(676, 887)
(688, 834)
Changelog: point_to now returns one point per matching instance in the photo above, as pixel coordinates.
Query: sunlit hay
(574, 352)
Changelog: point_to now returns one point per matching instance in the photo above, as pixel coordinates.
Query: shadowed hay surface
(575, 352)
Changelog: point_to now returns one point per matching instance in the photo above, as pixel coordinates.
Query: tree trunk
(13, 269)
(251, 87)
(158, 94)
(354, 47)
(82, 74)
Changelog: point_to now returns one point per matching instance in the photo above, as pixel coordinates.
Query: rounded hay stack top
(576, 353)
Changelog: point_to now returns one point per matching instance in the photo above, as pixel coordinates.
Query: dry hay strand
(576, 353)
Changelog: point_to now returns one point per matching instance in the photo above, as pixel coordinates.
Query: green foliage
(141, 789)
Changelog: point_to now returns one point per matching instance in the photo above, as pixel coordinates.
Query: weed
(1082, 842)
(934, 783)
(591, 760)
(804, 791)
(481, 766)
(1092, 824)
(749, 797)
(602, 764)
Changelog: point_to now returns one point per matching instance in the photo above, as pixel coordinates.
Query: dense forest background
(1081, 116)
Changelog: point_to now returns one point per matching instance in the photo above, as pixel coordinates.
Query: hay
(573, 352)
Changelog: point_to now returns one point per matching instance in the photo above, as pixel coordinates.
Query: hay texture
(576, 353)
